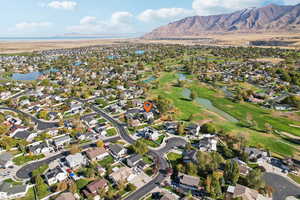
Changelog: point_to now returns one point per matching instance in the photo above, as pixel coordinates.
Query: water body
(13, 39)
(31, 76)
(112, 57)
(27, 76)
(209, 106)
(139, 52)
(181, 77)
(150, 79)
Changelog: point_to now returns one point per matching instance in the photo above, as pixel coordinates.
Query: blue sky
(57, 17)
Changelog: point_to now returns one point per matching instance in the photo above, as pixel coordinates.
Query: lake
(150, 79)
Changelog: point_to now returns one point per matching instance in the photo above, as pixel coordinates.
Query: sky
(21, 18)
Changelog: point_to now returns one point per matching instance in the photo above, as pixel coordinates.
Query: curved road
(41, 125)
(25, 171)
(282, 187)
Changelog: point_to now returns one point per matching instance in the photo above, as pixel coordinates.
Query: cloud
(291, 2)
(88, 20)
(164, 14)
(31, 26)
(65, 5)
(212, 7)
(120, 22)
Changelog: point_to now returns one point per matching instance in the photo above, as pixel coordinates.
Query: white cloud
(120, 22)
(31, 26)
(164, 14)
(66, 5)
(88, 20)
(212, 7)
(291, 2)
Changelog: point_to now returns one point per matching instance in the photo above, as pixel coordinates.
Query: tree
(268, 128)
(140, 147)
(75, 149)
(208, 128)
(231, 172)
(41, 187)
(62, 186)
(215, 188)
(130, 187)
(73, 187)
(100, 143)
(193, 95)
(254, 179)
(180, 129)
(191, 169)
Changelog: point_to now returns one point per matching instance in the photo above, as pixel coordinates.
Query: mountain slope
(269, 18)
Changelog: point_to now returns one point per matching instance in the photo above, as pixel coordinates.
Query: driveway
(282, 187)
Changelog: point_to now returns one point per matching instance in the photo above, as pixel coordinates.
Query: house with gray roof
(189, 182)
(25, 135)
(5, 160)
(117, 150)
(61, 141)
(10, 191)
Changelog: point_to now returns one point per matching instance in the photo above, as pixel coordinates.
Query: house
(53, 115)
(149, 133)
(10, 191)
(55, 175)
(169, 196)
(25, 135)
(90, 121)
(208, 143)
(101, 171)
(133, 160)
(243, 167)
(117, 150)
(244, 193)
(189, 182)
(171, 127)
(193, 129)
(66, 196)
(39, 148)
(62, 140)
(121, 175)
(93, 188)
(76, 160)
(75, 108)
(256, 154)
(148, 116)
(96, 153)
(190, 156)
(5, 160)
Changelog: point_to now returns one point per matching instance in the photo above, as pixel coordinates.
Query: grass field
(185, 108)
(24, 159)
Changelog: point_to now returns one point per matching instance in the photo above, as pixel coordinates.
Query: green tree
(254, 179)
(208, 128)
(231, 172)
(215, 188)
(140, 147)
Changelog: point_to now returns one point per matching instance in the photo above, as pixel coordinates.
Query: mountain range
(270, 18)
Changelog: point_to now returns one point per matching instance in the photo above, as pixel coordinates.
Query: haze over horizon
(59, 17)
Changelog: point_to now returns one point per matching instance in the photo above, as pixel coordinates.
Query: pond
(112, 57)
(27, 76)
(150, 79)
(209, 106)
(32, 76)
(139, 52)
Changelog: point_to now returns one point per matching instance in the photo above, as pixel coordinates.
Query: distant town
(150, 121)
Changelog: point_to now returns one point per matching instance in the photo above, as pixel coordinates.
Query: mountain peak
(271, 17)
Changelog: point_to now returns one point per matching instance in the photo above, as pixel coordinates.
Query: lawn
(295, 178)
(173, 156)
(107, 161)
(101, 120)
(12, 182)
(81, 183)
(155, 143)
(147, 159)
(24, 159)
(111, 132)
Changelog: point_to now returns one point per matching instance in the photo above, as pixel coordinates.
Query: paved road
(281, 186)
(158, 155)
(41, 125)
(25, 171)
